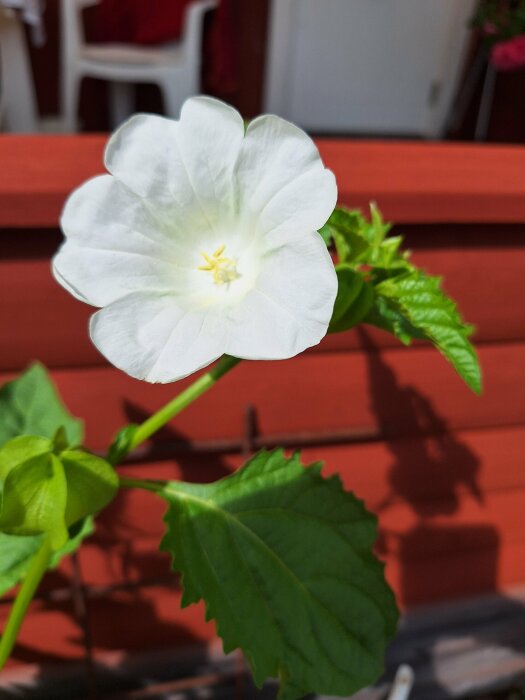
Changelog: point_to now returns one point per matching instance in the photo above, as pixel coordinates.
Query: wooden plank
(395, 393)
(431, 182)
(449, 510)
(45, 322)
(448, 481)
(412, 182)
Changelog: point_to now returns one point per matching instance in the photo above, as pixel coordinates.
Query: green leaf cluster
(46, 487)
(44, 477)
(283, 559)
(379, 285)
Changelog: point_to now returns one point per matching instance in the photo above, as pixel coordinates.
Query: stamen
(224, 269)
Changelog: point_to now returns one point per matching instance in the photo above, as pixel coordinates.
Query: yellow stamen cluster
(224, 269)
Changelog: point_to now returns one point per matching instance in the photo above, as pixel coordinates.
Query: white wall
(366, 66)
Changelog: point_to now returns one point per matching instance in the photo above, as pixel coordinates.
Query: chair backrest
(72, 28)
(192, 30)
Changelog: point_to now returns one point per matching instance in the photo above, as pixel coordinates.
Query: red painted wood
(411, 182)
(46, 322)
(439, 539)
(447, 483)
(419, 479)
(400, 392)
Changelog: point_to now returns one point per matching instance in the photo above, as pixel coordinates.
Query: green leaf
(121, 444)
(30, 405)
(91, 484)
(283, 560)
(42, 492)
(347, 229)
(34, 499)
(349, 284)
(16, 552)
(326, 234)
(15, 555)
(386, 316)
(358, 306)
(421, 304)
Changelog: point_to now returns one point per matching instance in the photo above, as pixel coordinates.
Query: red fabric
(140, 21)
(509, 55)
(151, 22)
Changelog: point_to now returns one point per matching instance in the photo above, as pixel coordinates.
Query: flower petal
(282, 180)
(151, 337)
(291, 305)
(182, 167)
(114, 246)
(209, 139)
(143, 154)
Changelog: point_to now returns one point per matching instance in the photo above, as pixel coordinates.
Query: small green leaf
(356, 311)
(21, 449)
(34, 499)
(420, 301)
(347, 230)
(386, 316)
(60, 442)
(326, 234)
(16, 552)
(349, 284)
(15, 556)
(283, 559)
(121, 444)
(41, 492)
(91, 484)
(30, 405)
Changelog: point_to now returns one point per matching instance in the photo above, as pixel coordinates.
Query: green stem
(184, 399)
(27, 590)
(146, 484)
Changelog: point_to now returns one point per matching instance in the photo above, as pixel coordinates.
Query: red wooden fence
(443, 469)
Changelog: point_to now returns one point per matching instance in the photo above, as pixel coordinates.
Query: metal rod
(170, 449)
(81, 612)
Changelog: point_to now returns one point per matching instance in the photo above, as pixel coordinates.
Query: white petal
(209, 138)
(182, 168)
(151, 337)
(114, 246)
(143, 154)
(282, 180)
(291, 305)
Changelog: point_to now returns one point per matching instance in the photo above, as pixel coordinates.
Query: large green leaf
(30, 405)
(283, 560)
(16, 552)
(424, 310)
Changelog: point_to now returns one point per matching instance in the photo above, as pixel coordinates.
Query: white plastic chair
(18, 109)
(174, 67)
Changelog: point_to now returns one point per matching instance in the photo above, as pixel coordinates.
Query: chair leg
(19, 100)
(173, 97)
(121, 102)
(70, 97)
(485, 107)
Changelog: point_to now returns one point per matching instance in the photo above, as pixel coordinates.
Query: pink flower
(509, 55)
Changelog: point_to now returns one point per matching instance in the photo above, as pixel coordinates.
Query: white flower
(202, 241)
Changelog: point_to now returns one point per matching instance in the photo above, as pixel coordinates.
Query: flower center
(223, 269)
